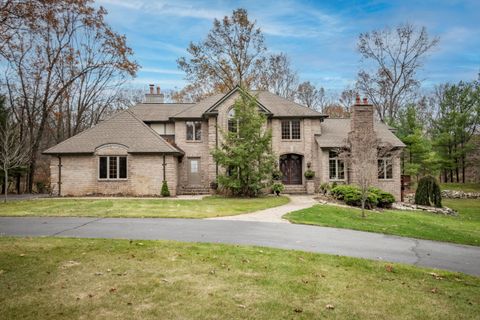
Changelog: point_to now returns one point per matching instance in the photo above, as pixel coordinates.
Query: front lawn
(466, 187)
(140, 208)
(464, 229)
(62, 278)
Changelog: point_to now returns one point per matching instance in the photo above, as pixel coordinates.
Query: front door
(194, 171)
(291, 167)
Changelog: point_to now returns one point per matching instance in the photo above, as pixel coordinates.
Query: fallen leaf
(389, 268)
(241, 306)
(109, 270)
(112, 290)
(330, 306)
(70, 264)
(165, 280)
(298, 310)
(434, 290)
(22, 254)
(90, 295)
(98, 273)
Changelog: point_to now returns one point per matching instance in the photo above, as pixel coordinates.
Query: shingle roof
(335, 133)
(122, 128)
(276, 105)
(151, 112)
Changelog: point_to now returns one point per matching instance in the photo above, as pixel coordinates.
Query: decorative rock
(457, 194)
(409, 206)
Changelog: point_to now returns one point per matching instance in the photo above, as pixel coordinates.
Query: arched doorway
(291, 168)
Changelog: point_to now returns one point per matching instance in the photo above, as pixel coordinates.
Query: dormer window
(291, 130)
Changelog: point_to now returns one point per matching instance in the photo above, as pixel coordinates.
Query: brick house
(135, 150)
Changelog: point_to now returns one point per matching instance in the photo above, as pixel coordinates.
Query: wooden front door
(194, 171)
(291, 167)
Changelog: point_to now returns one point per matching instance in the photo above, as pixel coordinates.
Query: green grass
(140, 208)
(467, 187)
(463, 229)
(61, 278)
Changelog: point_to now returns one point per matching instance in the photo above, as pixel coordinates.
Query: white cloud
(162, 71)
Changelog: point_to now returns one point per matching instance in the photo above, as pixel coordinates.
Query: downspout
(216, 145)
(164, 170)
(59, 175)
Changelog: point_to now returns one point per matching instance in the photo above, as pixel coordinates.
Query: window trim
(384, 161)
(337, 161)
(194, 131)
(290, 130)
(108, 168)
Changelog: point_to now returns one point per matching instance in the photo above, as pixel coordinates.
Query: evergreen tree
(245, 152)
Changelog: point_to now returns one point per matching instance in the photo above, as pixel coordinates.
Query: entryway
(291, 168)
(194, 178)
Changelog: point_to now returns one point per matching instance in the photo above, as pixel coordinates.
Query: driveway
(277, 235)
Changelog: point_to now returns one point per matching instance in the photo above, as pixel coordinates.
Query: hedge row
(352, 196)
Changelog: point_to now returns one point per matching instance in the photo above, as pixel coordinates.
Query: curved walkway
(278, 235)
(297, 202)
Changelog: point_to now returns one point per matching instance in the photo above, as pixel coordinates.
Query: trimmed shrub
(352, 196)
(428, 192)
(165, 192)
(385, 199)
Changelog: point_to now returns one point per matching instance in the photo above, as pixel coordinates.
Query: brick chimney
(154, 97)
(362, 116)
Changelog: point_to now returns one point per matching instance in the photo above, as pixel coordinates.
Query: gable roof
(151, 112)
(122, 128)
(335, 133)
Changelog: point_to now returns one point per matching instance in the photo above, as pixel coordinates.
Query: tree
(428, 192)
(13, 153)
(457, 121)
(310, 96)
(232, 54)
(347, 98)
(278, 77)
(246, 154)
(50, 46)
(419, 159)
(394, 57)
(335, 111)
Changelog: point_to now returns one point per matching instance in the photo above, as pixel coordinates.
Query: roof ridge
(151, 130)
(292, 101)
(117, 113)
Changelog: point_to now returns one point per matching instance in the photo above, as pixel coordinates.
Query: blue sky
(319, 36)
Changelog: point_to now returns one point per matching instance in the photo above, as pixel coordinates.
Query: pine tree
(245, 153)
(428, 192)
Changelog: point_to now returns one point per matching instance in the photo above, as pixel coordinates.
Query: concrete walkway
(277, 235)
(297, 202)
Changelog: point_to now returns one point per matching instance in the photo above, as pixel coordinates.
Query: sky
(319, 36)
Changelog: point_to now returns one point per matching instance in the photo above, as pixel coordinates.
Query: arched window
(232, 123)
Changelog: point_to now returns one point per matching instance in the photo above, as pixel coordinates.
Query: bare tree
(50, 47)
(335, 111)
(347, 98)
(310, 96)
(13, 153)
(392, 58)
(232, 54)
(278, 76)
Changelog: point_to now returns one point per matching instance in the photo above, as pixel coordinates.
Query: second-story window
(232, 123)
(290, 129)
(194, 130)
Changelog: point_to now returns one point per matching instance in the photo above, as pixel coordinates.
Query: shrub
(428, 192)
(352, 196)
(385, 199)
(277, 174)
(309, 174)
(324, 188)
(278, 187)
(213, 185)
(165, 192)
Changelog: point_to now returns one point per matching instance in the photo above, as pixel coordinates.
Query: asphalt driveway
(285, 236)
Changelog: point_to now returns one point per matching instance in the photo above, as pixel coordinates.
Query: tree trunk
(18, 183)
(5, 171)
(463, 168)
(31, 173)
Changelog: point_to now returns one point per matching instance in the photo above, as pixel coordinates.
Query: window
(291, 129)
(194, 130)
(112, 168)
(336, 167)
(232, 123)
(385, 168)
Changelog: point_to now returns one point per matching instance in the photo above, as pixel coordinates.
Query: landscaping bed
(61, 278)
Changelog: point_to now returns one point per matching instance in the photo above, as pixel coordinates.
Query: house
(135, 150)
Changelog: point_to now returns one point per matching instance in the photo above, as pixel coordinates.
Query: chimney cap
(158, 89)
(151, 88)
(357, 99)
(365, 100)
